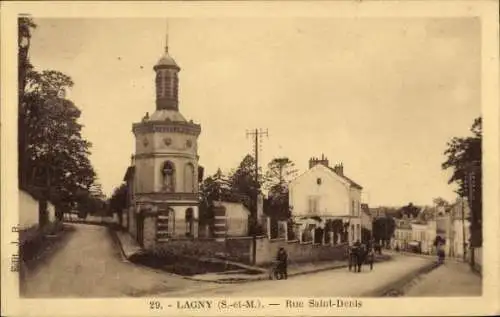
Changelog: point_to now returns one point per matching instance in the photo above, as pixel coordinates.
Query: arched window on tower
(189, 178)
(168, 172)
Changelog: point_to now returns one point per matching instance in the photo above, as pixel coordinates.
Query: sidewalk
(128, 245)
(449, 279)
(130, 248)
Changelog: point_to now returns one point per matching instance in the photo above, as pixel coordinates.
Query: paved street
(90, 265)
(339, 282)
(450, 279)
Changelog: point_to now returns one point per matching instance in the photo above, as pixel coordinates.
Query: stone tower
(166, 164)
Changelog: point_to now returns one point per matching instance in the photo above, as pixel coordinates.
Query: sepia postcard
(250, 158)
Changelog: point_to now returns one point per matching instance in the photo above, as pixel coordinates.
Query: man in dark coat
(282, 259)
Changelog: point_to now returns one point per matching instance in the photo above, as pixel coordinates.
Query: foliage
(383, 229)
(118, 200)
(440, 202)
(464, 158)
(25, 27)
(365, 235)
(55, 154)
(280, 172)
(243, 182)
(409, 210)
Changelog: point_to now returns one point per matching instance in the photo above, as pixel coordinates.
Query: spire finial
(166, 38)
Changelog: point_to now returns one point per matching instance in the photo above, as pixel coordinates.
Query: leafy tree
(464, 157)
(440, 202)
(118, 201)
(409, 210)
(280, 172)
(365, 235)
(25, 27)
(55, 155)
(244, 182)
(383, 229)
(213, 188)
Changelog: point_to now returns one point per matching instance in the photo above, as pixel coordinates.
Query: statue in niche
(168, 176)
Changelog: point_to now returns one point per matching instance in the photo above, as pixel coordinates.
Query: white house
(326, 194)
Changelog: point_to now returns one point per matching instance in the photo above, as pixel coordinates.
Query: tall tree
(56, 156)
(25, 27)
(118, 201)
(280, 171)
(383, 229)
(464, 157)
(244, 182)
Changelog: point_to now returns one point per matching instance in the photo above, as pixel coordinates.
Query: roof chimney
(339, 169)
(315, 161)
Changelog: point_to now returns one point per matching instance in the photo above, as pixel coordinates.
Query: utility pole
(257, 134)
(464, 244)
(472, 168)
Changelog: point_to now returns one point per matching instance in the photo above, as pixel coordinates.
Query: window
(313, 204)
(189, 222)
(353, 211)
(168, 172)
(189, 181)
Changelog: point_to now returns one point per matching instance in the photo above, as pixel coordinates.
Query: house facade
(403, 235)
(326, 194)
(460, 214)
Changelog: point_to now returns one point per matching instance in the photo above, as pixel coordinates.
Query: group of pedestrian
(361, 253)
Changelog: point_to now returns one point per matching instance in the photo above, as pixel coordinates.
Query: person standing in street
(282, 259)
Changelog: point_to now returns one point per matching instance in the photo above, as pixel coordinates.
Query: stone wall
(189, 247)
(297, 252)
(132, 227)
(240, 249)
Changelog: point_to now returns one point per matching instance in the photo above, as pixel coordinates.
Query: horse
(357, 256)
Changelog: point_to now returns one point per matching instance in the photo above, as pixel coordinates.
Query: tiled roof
(350, 181)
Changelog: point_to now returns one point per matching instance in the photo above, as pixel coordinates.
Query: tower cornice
(166, 126)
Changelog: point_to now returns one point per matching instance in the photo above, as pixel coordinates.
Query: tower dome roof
(167, 61)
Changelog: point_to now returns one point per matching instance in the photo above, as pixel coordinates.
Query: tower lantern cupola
(167, 82)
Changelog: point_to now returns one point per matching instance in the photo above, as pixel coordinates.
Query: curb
(266, 277)
(117, 240)
(395, 287)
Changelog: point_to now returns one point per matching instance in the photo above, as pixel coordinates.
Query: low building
(403, 235)
(420, 234)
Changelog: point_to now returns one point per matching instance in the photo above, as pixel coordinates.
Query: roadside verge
(129, 248)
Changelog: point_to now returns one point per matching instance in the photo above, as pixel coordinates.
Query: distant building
(403, 235)
(460, 214)
(326, 194)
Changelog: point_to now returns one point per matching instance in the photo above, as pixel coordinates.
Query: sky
(381, 95)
